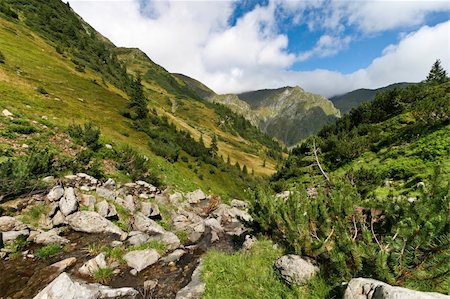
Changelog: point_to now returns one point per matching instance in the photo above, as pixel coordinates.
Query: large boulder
(143, 224)
(150, 210)
(195, 288)
(295, 270)
(55, 193)
(11, 236)
(137, 238)
(170, 239)
(367, 288)
(8, 223)
(63, 287)
(141, 259)
(50, 237)
(92, 222)
(69, 203)
(195, 196)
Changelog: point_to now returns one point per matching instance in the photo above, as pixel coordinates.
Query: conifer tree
(138, 99)
(437, 74)
(244, 169)
(214, 148)
(228, 160)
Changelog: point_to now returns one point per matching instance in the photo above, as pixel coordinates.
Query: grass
(34, 214)
(103, 275)
(17, 246)
(157, 245)
(252, 275)
(48, 251)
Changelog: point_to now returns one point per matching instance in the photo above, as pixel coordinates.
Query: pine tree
(214, 148)
(138, 99)
(237, 165)
(244, 169)
(437, 74)
(228, 160)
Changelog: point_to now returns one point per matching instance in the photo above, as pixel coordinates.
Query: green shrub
(42, 90)
(103, 275)
(2, 58)
(17, 246)
(22, 129)
(87, 135)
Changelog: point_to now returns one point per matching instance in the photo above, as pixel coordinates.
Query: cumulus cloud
(196, 38)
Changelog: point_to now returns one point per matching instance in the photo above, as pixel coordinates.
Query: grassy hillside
(353, 99)
(201, 89)
(50, 77)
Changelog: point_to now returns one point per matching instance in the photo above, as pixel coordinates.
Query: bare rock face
(141, 259)
(195, 288)
(63, 287)
(69, 203)
(92, 222)
(367, 288)
(8, 223)
(295, 270)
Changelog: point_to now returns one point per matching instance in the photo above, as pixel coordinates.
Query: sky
(326, 47)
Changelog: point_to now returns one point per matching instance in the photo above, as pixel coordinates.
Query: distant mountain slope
(201, 89)
(353, 99)
(289, 114)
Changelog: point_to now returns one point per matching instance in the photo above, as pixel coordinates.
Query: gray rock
(88, 201)
(214, 224)
(249, 242)
(55, 193)
(58, 219)
(105, 193)
(63, 287)
(90, 267)
(128, 203)
(116, 243)
(7, 113)
(68, 203)
(48, 179)
(108, 146)
(149, 285)
(53, 207)
(91, 222)
(8, 223)
(50, 237)
(102, 208)
(141, 259)
(168, 238)
(366, 288)
(190, 223)
(195, 196)
(173, 256)
(110, 184)
(176, 197)
(138, 238)
(150, 210)
(195, 288)
(239, 204)
(112, 212)
(143, 224)
(11, 236)
(295, 270)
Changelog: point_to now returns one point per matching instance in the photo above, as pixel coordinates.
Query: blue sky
(325, 46)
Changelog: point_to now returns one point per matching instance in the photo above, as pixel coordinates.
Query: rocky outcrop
(295, 270)
(92, 222)
(366, 288)
(63, 287)
(141, 259)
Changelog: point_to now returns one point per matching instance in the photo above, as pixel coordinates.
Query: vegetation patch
(48, 251)
(103, 275)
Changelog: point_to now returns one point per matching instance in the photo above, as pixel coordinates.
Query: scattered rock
(48, 179)
(109, 184)
(367, 288)
(129, 203)
(102, 208)
(8, 223)
(214, 224)
(50, 237)
(168, 238)
(195, 196)
(249, 242)
(11, 236)
(174, 256)
(116, 243)
(134, 272)
(108, 146)
(105, 193)
(143, 224)
(150, 210)
(141, 259)
(68, 204)
(149, 285)
(176, 197)
(88, 201)
(93, 265)
(239, 204)
(63, 287)
(91, 222)
(190, 223)
(137, 238)
(195, 288)
(7, 113)
(58, 219)
(295, 270)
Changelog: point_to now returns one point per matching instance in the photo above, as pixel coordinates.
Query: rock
(102, 208)
(50, 237)
(88, 201)
(149, 285)
(214, 224)
(176, 197)
(128, 203)
(134, 272)
(295, 270)
(109, 184)
(108, 146)
(137, 238)
(150, 210)
(239, 204)
(190, 223)
(240, 215)
(112, 212)
(174, 256)
(91, 222)
(63, 287)
(195, 196)
(195, 288)
(8, 223)
(116, 243)
(169, 238)
(7, 113)
(55, 193)
(90, 267)
(48, 179)
(68, 204)
(143, 224)
(105, 193)
(141, 259)
(249, 242)
(11, 236)
(85, 188)
(58, 219)
(53, 207)
(367, 288)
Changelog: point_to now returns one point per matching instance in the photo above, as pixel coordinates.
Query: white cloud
(195, 38)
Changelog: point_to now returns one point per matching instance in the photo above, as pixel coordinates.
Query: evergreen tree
(264, 163)
(244, 169)
(437, 74)
(138, 100)
(201, 141)
(228, 160)
(214, 148)
(237, 165)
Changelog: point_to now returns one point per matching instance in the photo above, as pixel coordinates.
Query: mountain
(57, 70)
(353, 99)
(289, 114)
(201, 89)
